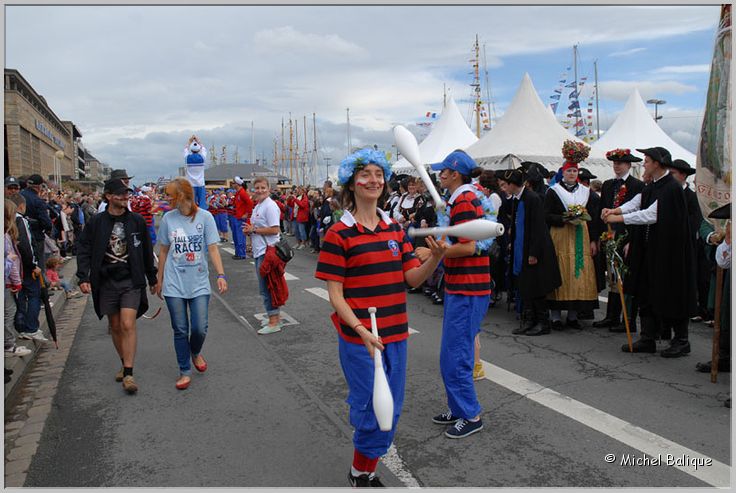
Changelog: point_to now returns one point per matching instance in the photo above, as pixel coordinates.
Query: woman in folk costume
(574, 236)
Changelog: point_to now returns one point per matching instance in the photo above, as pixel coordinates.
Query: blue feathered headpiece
(358, 160)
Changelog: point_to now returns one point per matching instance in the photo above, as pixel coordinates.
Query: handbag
(283, 249)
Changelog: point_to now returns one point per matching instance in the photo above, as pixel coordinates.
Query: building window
(25, 152)
(36, 154)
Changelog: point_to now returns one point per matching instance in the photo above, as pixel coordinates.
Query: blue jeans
(301, 231)
(263, 288)
(152, 233)
(189, 332)
(29, 306)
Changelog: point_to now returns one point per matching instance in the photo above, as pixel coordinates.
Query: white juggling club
(383, 401)
(407, 145)
(477, 229)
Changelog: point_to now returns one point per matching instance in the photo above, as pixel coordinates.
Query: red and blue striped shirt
(370, 265)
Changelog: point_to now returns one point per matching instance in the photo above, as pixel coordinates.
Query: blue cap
(458, 161)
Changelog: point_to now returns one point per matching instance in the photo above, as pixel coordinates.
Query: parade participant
(264, 231)
(722, 241)
(409, 203)
(574, 237)
(241, 206)
(114, 260)
(535, 174)
(143, 204)
(218, 208)
(12, 186)
(243, 210)
(301, 217)
(194, 157)
(614, 192)
(584, 178)
(188, 240)
(467, 294)
(366, 260)
(116, 174)
(533, 261)
(662, 276)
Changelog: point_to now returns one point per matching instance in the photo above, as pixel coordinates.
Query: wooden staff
(716, 326)
(620, 284)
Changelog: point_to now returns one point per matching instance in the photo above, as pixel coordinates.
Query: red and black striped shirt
(371, 266)
(467, 275)
(142, 204)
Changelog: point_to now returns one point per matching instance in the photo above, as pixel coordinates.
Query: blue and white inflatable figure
(194, 156)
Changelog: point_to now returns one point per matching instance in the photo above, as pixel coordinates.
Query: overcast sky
(138, 81)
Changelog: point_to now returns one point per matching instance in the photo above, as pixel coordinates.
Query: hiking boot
(463, 428)
(119, 375)
(129, 384)
(445, 419)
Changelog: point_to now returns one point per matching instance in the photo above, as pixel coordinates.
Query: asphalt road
(271, 411)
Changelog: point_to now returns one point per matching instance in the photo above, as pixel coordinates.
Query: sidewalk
(22, 365)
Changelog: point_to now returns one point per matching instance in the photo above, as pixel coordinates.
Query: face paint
(362, 182)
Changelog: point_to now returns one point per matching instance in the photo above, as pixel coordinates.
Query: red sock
(364, 464)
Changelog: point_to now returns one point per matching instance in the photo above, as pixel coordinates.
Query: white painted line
(229, 250)
(603, 299)
(396, 465)
(321, 292)
(717, 474)
(252, 262)
(286, 319)
(290, 277)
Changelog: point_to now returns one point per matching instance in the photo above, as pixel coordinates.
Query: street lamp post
(656, 103)
(58, 156)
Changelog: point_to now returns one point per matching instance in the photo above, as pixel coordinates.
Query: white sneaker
(18, 351)
(268, 329)
(38, 336)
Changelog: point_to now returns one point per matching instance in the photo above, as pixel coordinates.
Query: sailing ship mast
(490, 105)
(597, 120)
(314, 147)
(252, 142)
(476, 86)
(305, 181)
(296, 151)
(350, 145)
(291, 151)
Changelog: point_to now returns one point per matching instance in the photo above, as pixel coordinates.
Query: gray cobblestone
(17, 466)
(15, 480)
(25, 440)
(44, 409)
(31, 428)
(37, 418)
(14, 425)
(25, 451)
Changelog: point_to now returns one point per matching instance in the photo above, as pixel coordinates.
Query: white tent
(529, 131)
(634, 129)
(449, 132)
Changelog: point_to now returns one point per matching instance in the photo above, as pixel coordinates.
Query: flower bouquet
(617, 154)
(575, 152)
(576, 214)
(612, 245)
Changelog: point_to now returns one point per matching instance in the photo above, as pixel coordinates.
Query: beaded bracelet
(221, 276)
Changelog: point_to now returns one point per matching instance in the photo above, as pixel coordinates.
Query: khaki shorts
(116, 295)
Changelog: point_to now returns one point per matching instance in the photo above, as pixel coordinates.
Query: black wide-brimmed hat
(723, 212)
(682, 165)
(622, 156)
(585, 175)
(534, 171)
(116, 186)
(659, 154)
(120, 174)
(513, 176)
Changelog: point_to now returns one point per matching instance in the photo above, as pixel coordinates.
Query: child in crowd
(53, 266)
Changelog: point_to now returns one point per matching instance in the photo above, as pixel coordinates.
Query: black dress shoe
(519, 331)
(574, 324)
(538, 330)
(723, 366)
(677, 348)
(556, 324)
(705, 367)
(641, 346)
(606, 322)
(728, 403)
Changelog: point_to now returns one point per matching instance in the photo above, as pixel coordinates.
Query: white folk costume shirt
(579, 196)
(633, 214)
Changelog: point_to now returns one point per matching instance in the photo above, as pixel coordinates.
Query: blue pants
(152, 232)
(236, 226)
(221, 221)
(263, 289)
(301, 231)
(29, 306)
(189, 332)
(358, 367)
(462, 318)
(200, 197)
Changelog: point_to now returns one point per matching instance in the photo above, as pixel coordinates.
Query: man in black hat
(662, 278)
(116, 174)
(37, 214)
(535, 174)
(533, 260)
(114, 260)
(614, 193)
(12, 186)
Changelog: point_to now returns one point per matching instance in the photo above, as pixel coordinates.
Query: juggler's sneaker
(463, 428)
(364, 481)
(445, 419)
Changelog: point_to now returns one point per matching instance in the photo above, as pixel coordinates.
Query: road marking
(603, 299)
(286, 319)
(322, 293)
(229, 250)
(717, 474)
(396, 465)
(290, 277)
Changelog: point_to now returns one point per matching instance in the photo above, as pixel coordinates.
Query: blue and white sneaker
(445, 419)
(463, 428)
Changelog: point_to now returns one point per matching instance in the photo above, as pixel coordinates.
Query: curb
(22, 364)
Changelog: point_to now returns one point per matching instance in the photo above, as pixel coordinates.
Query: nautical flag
(571, 84)
(431, 115)
(555, 96)
(577, 113)
(559, 91)
(554, 107)
(573, 94)
(575, 105)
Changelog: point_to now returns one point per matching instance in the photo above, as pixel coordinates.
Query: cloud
(626, 52)
(289, 40)
(683, 69)
(620, 90)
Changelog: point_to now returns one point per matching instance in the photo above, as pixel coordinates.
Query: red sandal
(183, 382)
(200, 368)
